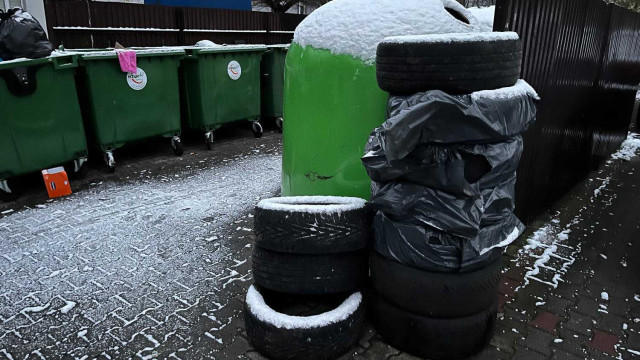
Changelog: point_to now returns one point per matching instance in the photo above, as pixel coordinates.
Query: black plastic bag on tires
(450, 187)
(435, 117)
(429, 249)
(22, 36)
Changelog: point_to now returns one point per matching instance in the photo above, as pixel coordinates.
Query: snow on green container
(41, 124)
(124, 107)
(331, 98)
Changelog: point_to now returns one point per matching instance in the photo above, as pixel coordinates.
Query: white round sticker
(138, 80)
(234, 70)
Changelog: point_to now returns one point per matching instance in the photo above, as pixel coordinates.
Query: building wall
(216, 4)
(36, 9)
(295, 9)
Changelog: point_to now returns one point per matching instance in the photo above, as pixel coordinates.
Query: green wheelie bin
(41, 123)
(221, 85)
(273, 82)
(121, 107)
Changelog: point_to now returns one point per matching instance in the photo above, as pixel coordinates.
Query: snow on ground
(548, 245)
(129, 260)
(628, 149)
(355, 27)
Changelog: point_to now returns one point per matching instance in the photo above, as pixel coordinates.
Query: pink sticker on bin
(128, 62)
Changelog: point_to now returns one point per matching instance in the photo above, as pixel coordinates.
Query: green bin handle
(65, 62)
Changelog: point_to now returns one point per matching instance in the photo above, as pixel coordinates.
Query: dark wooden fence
(583, 57)
(90, 24)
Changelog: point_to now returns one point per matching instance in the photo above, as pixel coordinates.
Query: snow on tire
(305, 274)
(318, 337)
(454, 63)
(430, 338)
(435, 294)
(312, 224)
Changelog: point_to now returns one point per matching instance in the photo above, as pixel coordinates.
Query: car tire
(430, 338)
(457, 67)
(319, 337)
(435, 294)
(305, 274)
(312, 224)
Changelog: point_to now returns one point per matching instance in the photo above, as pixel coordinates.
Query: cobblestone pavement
(159, 267)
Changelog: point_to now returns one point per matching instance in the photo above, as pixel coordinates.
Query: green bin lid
(102, 54)
(224, 49)
(59, 59)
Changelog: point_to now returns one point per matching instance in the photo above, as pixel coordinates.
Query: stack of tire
(308, 249)
(443, 170)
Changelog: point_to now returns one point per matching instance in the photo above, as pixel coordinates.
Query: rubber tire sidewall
(309, 274)
(324, 343)
(435, 294)
(432, 338)
(313, 233)
(455, 68)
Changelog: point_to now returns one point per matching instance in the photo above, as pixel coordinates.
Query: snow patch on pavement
(545, 243)
(629, 148)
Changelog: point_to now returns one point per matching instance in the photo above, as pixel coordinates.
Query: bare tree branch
(281, 6)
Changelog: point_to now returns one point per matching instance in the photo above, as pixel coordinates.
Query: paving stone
(579, 323)
(508, 286)
(523, 353)
(557, 305)
(380, 350)
(538, 340)
(561, 355)
(603, 341)
(546, 321)
(572, 342)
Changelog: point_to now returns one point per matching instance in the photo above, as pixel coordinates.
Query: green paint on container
(221, 85)
(41, 124)
(120, 108)
(331, 105)
(273, 63)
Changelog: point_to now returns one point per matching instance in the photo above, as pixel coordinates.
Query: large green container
(222, 85)
(331, 105)
(124, 107)
(273, 82)
(41, 124)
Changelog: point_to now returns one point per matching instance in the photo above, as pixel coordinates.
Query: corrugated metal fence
(86, 24)
(583, 58)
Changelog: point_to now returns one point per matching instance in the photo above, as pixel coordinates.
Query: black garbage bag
(437, 117)
(453, 188)
(22, 36)
(429, 249)
(461, 169)
(425, 206)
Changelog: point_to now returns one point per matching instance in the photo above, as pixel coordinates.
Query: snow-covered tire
(454, 338)
(312, 224)
(318, 337)
(305, 274)
(435, 294)
(460, 65)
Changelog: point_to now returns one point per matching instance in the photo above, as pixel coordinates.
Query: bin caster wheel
(209, 139)
(111, 162)
(279, 123)
(77, 170)
(176, 144)
(6, 195)
(257, 130)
